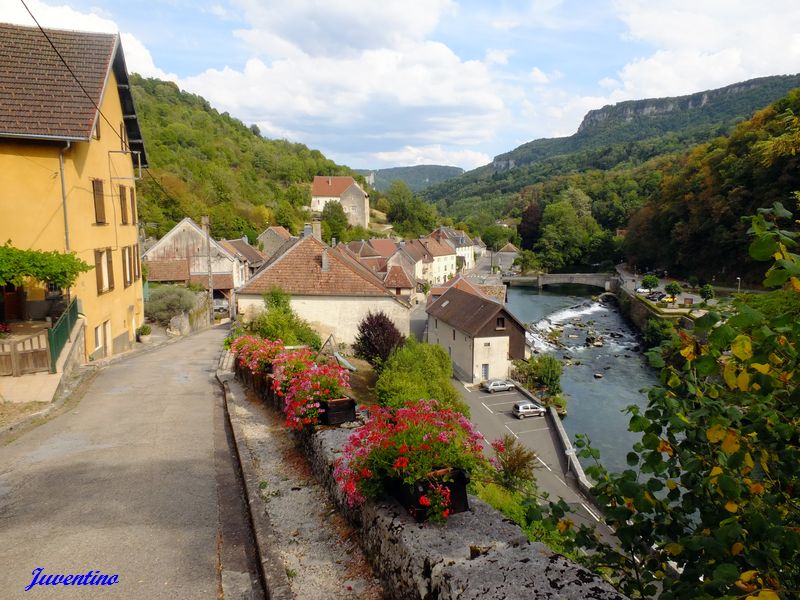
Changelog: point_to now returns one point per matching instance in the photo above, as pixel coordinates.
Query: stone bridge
(606, 281)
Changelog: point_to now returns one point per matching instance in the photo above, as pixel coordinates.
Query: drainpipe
(64, 194)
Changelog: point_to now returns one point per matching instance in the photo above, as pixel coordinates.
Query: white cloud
(497, 57)
(539, 76)
(433, 154)
(137, 57)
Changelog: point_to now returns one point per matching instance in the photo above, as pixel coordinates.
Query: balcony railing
(58, 334)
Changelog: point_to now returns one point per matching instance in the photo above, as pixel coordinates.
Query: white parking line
(503, 394)
(537, 458)
(532, 430)
(487, 408)
(499, 403)
(516, 436)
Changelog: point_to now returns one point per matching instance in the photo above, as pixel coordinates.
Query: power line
(100, 112)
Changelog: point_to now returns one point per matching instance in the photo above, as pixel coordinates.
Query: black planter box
(408, 495)
(336, 412)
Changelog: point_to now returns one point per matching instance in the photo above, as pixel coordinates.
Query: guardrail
(59, 334)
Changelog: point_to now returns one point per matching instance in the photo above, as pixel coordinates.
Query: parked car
(497, 385)
(526, 408)
(642, 290)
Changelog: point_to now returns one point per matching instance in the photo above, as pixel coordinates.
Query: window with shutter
(126, 269)
(134, 218)
(137, 269)
(123, 205)
(110, 263)
(99, 201)
(98, 270)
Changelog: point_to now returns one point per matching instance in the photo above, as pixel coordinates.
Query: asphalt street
(124, 483)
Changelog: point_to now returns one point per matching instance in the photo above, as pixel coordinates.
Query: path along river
(595, 405)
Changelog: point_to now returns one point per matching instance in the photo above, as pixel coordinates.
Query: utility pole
(207, 229)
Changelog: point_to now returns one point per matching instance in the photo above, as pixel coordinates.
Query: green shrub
(657, 331)
(167, 301)
(417, 371)
(540, 370)
(144, 329)
(280, 322)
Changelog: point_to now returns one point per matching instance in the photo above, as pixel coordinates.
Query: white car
(642, 290)
(497, 385)
(526, 408)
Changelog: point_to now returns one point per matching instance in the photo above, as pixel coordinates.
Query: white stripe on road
(504, 402)
(516, 436)
(591, 512)
(532, 430)
(503, 394)
(537, 458)
(487, 408)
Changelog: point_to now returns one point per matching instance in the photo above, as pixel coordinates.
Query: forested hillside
(625, 135)
(210, 163)
(417, 178)
(684, 212)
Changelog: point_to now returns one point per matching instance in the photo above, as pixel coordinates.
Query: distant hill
(416, 178)
(206, 162)
(626, 134)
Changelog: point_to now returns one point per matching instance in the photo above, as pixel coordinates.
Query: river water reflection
(595, 405)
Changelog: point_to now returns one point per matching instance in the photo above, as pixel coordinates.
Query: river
(595, 405)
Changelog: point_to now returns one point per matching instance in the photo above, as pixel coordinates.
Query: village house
(461, 243)
(479, 334)
(438, 259)
(344, 190)
(272, 238)
(68, 179)
(396, 270)
(328, 288)
(246, 253)
(181, 256)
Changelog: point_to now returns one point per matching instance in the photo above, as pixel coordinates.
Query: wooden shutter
(123, 205)
(134, 218)
(98, 269)
(99, 204)
(110, 264)
(126, 266)
(137, 269)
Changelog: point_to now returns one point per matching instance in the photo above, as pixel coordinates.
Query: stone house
(273, 238)
(181, 257)
(328, 287)
(344, 190)
(252, 257)
(461, 243)
(68, 176)
(479, 334)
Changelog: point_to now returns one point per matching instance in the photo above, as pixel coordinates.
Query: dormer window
(501, 323)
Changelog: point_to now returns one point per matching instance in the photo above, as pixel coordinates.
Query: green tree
(526, 261)
(60, 269)
(334, 216)
(410, 215)
(279, 322)
(650, 282)
(707, 292)
(496, 236)
(673, 288)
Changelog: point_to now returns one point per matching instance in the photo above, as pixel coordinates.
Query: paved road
(124, 483)
(492, 415)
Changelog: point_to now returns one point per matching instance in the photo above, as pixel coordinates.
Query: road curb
(271, 569)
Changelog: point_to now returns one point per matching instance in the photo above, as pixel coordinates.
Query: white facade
(468, 254)
(443, 268)
(337, 315)
(474, 359)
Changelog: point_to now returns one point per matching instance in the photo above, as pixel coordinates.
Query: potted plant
(286, 366)
(317, 395)
(421, 453)
(143, 333)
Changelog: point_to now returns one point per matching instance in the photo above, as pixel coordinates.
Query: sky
(381, 83)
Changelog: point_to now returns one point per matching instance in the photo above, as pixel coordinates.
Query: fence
(27, 355)
(58, 335)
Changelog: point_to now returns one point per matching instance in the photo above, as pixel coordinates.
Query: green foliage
(540, 371)
(708, 507)
(707, 292)
(280, 322)
(418, 371)
(527, 261)
(650, 282)
(514, 464)
(58, 268)
(673, 288)
(567, 230)
(334, 218)
(656, 331)
(377, 338)
(411, 216)
(144, 329)
(496, 236)
(167, 301)
(210, 163)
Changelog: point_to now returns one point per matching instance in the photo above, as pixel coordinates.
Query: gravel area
(319, 549)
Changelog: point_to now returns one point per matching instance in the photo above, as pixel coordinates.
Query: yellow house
(68, 171)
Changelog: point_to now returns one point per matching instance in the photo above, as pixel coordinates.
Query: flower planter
(336, 412)
(409, 495)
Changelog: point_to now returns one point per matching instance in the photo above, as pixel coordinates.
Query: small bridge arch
(606, 281)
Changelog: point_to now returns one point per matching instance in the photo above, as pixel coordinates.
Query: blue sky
(374, 83)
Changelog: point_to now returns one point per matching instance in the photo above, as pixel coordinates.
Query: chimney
(333, 242)
(307, 231)
(325, 264)
(316, 228)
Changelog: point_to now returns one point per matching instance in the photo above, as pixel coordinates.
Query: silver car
(497, 385)
(526, 408)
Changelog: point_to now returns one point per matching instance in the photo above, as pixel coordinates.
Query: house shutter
(110, 264)
(99, 204)
(134, 218)
(126, 271)
(137, 269)
(98, 269)
(123, 205)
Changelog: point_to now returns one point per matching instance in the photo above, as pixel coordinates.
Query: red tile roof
(281, 231)
(437, 248)
(384, 247)
(252, 255)
(40, 99)
(397, 277)
(330, 185)
(509, 247)
(167, 270)
(220, 281)
(299, 271)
